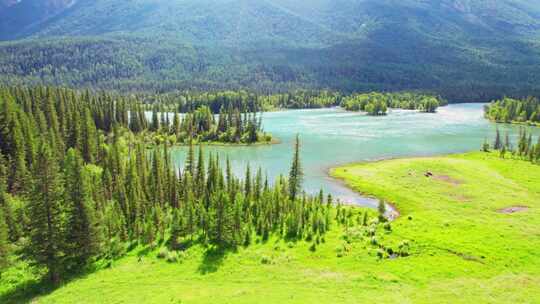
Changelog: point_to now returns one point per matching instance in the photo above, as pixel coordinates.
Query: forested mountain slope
(463, 49)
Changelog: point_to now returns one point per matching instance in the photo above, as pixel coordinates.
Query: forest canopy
(378, 103)
(78, 183)
(526, 110)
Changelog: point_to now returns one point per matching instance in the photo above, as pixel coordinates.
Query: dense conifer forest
(509, 110)
(79, 183)
(525, 148)
(378, 103)
(248, 101)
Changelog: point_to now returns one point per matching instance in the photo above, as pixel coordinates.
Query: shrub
(339, 252)
(115, 248)
(403, 248)
(172, 257)
(266, 260)
(374, 221)
(129, 246)
(387, 227)
(380, 253)
(162, 253)
(342, 249)
(247, 238)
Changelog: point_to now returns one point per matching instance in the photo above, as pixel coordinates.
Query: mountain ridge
(441, 45)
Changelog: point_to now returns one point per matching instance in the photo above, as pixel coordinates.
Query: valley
(269, 151)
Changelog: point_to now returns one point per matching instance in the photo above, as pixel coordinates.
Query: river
(332, 137)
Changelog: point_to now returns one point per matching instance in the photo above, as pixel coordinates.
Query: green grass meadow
(463, 248)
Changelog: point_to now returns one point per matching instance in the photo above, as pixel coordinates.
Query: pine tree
(13, 225)
(507, 142)
(89, 137)
(134, 194)
(12, 143)
(49, 109)
(44, 209)
(522, 144)
(200, 173)
(497, 145)
(537, 150)
(190, 159)
(176, 230)
(247, 182)
(157, 178)
(502, 154)
(228, 174)
(81, 235)
(296, 173)
(258, 184)
(135, 121)
(4, 242)
(381, 208)
(176, 124)
(155, 120)
(222, 229)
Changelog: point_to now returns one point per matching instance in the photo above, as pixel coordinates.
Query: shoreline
(223, 144)
(394, 213)
(515, 123)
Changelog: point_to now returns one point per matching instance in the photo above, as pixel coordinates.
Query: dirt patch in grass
(467, 257)
(513, 209)
(443, 178)
(461, 197)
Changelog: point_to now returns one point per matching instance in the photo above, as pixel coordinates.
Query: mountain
(16, 16)
(463, 49)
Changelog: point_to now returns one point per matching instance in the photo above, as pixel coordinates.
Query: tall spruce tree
(190, 160)
(89, 137)
(44, 210)
(497, 144)
(296, 173)
(4, 242)
(81, 235)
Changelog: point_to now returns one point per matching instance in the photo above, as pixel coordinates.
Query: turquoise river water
(333, 137)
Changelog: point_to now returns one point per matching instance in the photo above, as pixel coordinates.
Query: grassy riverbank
(465, 247)
(474, 219)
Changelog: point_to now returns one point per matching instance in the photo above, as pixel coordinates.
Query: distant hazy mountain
(481, 46)
(17, 16)
(292, 21)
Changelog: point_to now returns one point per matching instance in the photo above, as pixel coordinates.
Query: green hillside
(462, 49)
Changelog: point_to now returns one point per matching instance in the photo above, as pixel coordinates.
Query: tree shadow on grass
(27, 292)
(213, 259)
